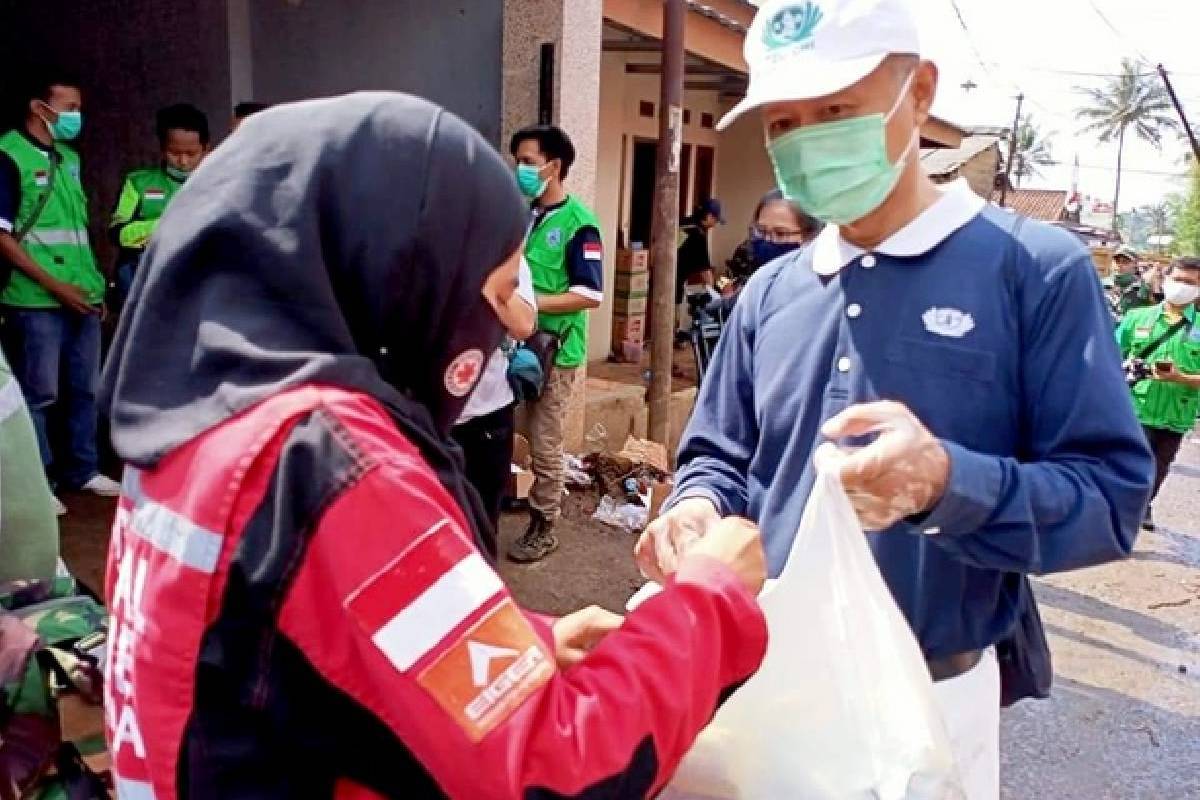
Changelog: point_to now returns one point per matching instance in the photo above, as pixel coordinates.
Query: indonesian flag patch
(41, 178)
(155, 195)
(593, 251)
(453, 630)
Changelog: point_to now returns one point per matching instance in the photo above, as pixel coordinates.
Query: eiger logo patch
(792, 25)
(484, 676)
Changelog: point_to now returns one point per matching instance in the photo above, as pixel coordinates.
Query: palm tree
(1133, 99)
(1032, 151)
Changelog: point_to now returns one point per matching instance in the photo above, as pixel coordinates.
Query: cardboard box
(633, 260)
(659, 493)
(628, 352)
(628, 328)
(522, 483)
(630, 306)
(632, 283)
(522, 455)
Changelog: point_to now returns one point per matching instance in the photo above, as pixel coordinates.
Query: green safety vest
(144, 198)
(546, 252)
(1159, 404)
(58, 241)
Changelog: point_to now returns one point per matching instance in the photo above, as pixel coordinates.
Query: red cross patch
(463, 372)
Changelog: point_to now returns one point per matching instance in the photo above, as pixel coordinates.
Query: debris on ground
(629, 517)
(575, 473)
(639, 460)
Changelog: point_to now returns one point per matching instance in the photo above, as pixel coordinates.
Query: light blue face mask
(67, 126)
(840, 171)
(530, 181)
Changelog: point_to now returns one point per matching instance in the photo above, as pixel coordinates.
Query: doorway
(641, 195)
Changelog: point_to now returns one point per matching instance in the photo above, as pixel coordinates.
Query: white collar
(957, 206)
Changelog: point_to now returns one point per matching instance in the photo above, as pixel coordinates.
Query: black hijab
(342, 241)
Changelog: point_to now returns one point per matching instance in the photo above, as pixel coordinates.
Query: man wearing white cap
(969, 350)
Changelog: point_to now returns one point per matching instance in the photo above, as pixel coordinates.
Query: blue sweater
(1049, 468)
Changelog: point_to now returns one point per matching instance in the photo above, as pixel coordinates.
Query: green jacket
(28, 527)
(546, 252)
(144, 197)
(1160, 404)
(58, 241)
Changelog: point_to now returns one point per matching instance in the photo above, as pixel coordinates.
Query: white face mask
(1178, 293)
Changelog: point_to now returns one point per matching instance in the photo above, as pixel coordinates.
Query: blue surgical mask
(764, 251)
(840, 172)
(530, 180)
(180, 175)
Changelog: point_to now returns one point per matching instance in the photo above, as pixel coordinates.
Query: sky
(1025, 46)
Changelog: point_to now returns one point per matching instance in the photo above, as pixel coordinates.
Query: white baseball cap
(800, 49)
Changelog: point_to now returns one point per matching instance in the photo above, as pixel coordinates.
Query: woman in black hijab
(300, 607)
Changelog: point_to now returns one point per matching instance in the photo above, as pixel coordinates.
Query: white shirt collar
(957, 206)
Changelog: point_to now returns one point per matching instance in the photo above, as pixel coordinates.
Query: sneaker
(536, 543)
(102, 486)
(59, 509)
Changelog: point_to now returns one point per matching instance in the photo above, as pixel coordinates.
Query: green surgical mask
(840, 171)
(68, 125)
(530, 180)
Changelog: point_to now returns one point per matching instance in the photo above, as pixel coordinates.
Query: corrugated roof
(942, 161)
(713, 14)
(1047, 205)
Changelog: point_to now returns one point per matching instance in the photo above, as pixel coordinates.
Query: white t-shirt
(493, 391)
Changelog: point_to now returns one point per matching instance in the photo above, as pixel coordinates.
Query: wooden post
(665, 230)
(1012, 152)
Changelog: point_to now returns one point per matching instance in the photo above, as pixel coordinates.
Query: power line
(1120, 36)
(962, 21)
(1104, 168)
(971, 41)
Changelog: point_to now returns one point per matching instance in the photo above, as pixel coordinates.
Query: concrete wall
(446, 50)
(133, 57)
(742, 157)
(620, 124)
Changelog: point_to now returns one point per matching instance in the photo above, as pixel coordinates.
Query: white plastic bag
(843, 706)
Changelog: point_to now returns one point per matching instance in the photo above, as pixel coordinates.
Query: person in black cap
(693, 267)
(1128, 289)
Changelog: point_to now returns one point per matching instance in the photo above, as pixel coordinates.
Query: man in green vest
(1165, 337)
(183, 136)
(566, 258)
(53, 294)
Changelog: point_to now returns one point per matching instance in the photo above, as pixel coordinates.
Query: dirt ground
(1124, 719)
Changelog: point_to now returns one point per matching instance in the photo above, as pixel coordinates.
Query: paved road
(1124, 719)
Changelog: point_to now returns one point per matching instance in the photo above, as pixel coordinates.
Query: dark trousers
(487, 443)
(1165, 445)
(55, 356)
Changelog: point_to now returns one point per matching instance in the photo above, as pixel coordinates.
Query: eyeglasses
(776, 235)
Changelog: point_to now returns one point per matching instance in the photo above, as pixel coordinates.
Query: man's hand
(903, 472)
(577, 634)
(1173, 375)
(737, 544)
(71, 297)
(665, 539)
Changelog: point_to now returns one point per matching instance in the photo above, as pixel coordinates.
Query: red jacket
(298, 611)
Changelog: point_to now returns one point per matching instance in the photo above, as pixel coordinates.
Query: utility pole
(665, 228)
(1187, 126)
(1012, 151)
